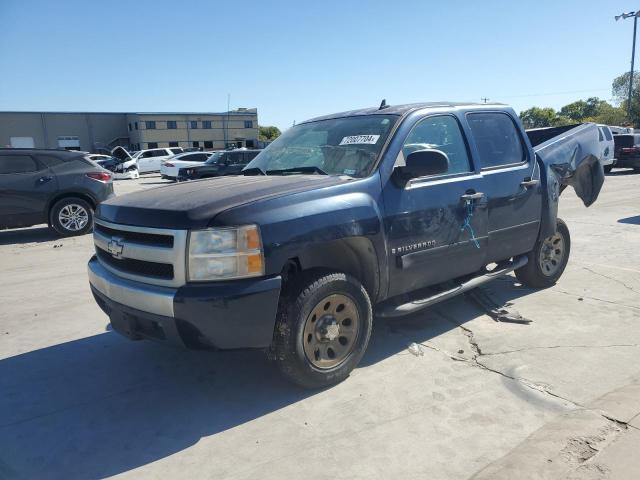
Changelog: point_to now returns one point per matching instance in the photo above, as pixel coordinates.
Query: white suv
(151, 160)
(607, 147)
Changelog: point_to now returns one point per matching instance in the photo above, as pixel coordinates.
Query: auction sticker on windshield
(360, 139)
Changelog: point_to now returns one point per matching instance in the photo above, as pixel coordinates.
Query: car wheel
(322, 329)
(608, 168)
(71, 216)
(547, 260)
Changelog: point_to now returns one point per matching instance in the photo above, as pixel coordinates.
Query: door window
(497, 139)
(234, 158)
(250, 156)
(600, 134)
(607, 133)
(441, 132)
(17, 164)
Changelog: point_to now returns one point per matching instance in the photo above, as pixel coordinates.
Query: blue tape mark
(467, 223)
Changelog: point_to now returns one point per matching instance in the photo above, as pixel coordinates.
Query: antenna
(383, 104)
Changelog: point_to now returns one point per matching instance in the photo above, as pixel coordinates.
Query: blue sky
(295, 60)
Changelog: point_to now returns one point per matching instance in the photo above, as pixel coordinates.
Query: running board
(391, 310)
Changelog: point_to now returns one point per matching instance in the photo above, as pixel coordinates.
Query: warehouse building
(100, 132)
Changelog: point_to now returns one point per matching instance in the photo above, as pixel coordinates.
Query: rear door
(26, 185)
(434, 235)
(512, 182)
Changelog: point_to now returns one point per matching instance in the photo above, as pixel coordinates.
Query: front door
(514, 192)
(436, 225)
(25, 188)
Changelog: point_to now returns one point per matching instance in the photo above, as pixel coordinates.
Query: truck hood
(191, 205)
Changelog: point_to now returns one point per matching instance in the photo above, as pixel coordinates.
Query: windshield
(340, 146)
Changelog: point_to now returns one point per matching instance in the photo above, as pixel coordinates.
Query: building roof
(249, 111)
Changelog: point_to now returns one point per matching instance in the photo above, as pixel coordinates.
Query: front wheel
(322, 330)
(71, 216)
(547, 260)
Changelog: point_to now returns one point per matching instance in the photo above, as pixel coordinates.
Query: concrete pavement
(484, 398)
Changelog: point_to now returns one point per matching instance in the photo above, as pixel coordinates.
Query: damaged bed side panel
(567, 157)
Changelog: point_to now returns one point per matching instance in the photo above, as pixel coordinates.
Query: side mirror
(422, 163)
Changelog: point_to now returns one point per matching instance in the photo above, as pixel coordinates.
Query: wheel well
(82, 196)
(355, 256)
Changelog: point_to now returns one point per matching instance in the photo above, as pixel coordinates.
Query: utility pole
(633, 51)
(484, 99)
(226, 128)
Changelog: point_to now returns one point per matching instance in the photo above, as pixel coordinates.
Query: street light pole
(633, 51)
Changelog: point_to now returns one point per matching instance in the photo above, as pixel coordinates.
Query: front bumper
(225, 315)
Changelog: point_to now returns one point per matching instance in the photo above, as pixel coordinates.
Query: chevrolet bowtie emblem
(116, 246)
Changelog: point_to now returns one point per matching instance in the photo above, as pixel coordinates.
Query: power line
(557, 93)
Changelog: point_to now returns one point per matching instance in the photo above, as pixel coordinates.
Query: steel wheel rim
(73, 217)
(552, 255)
(331, 331)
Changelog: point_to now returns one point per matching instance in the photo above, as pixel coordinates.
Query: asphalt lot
(495, 400)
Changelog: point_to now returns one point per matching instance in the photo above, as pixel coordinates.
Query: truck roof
(403, 109)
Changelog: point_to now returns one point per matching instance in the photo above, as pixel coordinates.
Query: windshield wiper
(252, 171)
(311, 169)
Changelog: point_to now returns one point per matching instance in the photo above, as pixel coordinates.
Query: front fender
(337, 228)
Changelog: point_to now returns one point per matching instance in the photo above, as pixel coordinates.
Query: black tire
(543, 274)
(306, 294)
(608, 168)
(84, 218)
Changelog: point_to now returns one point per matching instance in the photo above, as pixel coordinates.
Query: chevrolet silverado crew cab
(380, 211)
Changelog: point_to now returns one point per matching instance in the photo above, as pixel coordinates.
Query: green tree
(268, 134)
(581, 109)
(537, 117)
(620, 90)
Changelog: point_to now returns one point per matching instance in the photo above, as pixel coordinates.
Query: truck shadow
(27, 235)
(104, 405)
(635, 220)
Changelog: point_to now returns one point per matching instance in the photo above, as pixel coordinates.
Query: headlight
(225, 253)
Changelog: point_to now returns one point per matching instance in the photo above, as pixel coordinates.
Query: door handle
(472, 196)
(528, 183)
(42, 180)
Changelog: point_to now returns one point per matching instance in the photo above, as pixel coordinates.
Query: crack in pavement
(620, 282)
(475, 362)
(564, 292)
(561, 346)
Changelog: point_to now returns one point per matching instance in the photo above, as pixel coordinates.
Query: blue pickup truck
(374, 212)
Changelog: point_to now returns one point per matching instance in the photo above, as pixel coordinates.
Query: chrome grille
(149, 255)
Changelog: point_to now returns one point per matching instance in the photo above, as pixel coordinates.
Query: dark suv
(226, 162)
(57, 187)
(627, 151)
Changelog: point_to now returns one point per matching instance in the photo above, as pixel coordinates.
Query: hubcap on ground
(73, 217)
(331, 330)
(551, 254)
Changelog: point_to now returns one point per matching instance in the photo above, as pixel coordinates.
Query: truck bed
(567, 156)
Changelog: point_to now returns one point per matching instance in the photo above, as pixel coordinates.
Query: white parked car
(607, 147)
(151, 160)
(170, 167)
(621, 130)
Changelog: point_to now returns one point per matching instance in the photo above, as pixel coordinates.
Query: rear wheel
(547, 260)
(71, 216)
(608, 168)
(322, 330)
